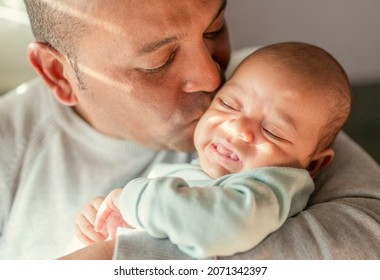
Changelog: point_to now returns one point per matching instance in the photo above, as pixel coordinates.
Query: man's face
(261, 117)
(150, 68)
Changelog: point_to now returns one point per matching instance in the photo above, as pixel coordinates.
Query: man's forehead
(101, 7)
(115, 15)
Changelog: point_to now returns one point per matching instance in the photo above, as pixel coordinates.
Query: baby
(265, 136)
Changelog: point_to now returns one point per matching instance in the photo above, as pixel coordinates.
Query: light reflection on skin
(74, 10)
(104, 78)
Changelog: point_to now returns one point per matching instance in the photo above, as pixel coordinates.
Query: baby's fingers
(102, 215)
(84, 224)
(88, 237)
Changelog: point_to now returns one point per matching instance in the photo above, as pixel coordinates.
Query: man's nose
(203, 74)
(242, 129)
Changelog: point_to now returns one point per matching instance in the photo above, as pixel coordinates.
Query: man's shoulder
(352, 174)
(22, 110)
(23, 106)
(24, 100)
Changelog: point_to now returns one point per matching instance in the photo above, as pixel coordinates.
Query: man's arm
(342, 220)
(98, 251)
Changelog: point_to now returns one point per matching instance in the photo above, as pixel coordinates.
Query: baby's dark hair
(319, 68)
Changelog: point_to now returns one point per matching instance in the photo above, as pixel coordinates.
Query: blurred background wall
(348, 29)
(15, 35)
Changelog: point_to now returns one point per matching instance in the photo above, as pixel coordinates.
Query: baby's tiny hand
(109, 217)
(85, 223)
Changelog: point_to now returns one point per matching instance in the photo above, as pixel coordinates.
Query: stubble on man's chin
(187, 144)
(176, 143)
(184, 143)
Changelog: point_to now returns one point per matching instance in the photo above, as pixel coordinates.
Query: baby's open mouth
(224, 151)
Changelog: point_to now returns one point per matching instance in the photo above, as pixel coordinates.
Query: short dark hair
(52, 25)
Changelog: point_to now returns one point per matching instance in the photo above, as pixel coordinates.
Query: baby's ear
(319, 161)
(49, 64)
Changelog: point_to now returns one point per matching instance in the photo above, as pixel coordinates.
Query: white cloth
(51, 164)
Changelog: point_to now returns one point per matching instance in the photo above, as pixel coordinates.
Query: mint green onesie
(206, 217)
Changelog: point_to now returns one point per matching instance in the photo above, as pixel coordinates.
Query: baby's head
(283, 106)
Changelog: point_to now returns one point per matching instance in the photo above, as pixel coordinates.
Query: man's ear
(50, 65)
(319, 161)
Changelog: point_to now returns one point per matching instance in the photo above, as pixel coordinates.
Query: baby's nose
(246, 136)
(242, 129)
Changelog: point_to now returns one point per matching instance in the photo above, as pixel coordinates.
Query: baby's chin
(215, 171)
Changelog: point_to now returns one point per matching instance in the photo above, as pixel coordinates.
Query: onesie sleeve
(229, 215)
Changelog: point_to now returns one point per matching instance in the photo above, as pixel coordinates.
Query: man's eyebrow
(151, 47)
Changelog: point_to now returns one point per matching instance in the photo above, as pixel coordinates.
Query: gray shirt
(52, 163)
